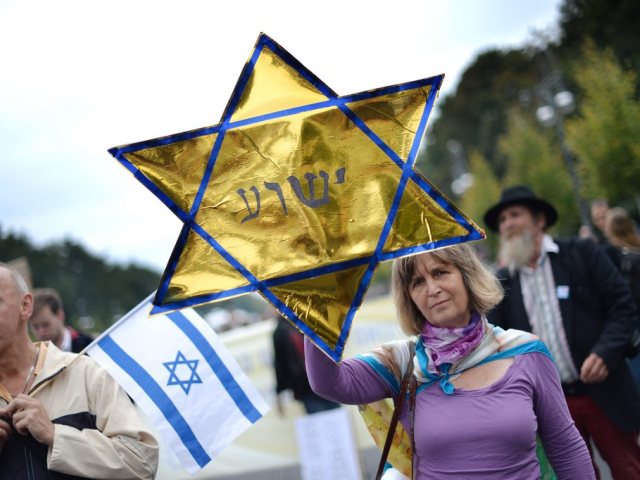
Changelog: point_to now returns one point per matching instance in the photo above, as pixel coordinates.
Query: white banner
(326, 447)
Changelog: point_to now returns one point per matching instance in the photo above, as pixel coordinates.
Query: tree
(609, 23)
(89, 286)
(483, 193)
(606, 133)
(535, 160)
(475, 114)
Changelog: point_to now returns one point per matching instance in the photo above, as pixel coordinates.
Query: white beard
(516, 252)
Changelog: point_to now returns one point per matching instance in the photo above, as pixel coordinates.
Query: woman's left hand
(593, 369)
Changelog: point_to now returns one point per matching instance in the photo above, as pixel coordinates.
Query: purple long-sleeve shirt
(488, 433)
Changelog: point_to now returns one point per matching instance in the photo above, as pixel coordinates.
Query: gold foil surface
(302, 193)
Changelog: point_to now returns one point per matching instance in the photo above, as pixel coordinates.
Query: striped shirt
(540, 295)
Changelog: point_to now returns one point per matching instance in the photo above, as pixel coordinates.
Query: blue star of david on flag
(173, 377)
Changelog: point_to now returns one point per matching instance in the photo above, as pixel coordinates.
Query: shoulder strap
(404, 387)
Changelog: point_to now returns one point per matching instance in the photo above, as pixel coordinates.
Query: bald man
(61, 413)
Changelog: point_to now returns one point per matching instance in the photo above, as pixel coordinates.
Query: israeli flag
(183, 378)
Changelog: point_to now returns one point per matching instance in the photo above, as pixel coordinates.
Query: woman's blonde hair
(483, 288)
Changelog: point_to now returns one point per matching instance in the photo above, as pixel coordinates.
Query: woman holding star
(482, 395)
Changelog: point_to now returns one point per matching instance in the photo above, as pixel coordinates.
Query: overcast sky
(79, 77)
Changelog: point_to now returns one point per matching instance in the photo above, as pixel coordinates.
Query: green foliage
(88, 285)
(610, 24)
(535, 159)
(475, 114)
(482, 194)
(606, 134)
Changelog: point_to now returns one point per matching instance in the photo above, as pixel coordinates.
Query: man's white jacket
(98, 433)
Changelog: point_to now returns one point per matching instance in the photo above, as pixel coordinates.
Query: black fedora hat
(519, 195)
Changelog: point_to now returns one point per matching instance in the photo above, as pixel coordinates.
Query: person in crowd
(289, 366)
(483, 394)
(61, 415)
(48, 322)
(570, 294)
(624, 249)
(595, 231)
(621, 231)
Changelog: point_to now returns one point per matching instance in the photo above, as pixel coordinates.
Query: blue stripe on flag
(229, 383)
(158, 396)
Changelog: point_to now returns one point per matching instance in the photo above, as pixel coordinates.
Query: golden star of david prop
(298, 193)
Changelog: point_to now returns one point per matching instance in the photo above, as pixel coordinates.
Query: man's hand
(5, 428)
(593, 370)
(29, 416)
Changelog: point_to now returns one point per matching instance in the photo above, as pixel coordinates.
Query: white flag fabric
(184, 379)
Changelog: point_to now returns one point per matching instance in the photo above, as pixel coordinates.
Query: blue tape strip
(158, 396)
(207, 175)
(305, 329)
(315, 272)
(283, 113)
(332, 102)
(227, 380)
(437, 81)
(440, 200)
(357, 301)
(336, 267)
(372, 136)
(434, 82)
(474, 235)
(173, 264)
(158, 301)
(199, 300)
(222, 251)
(407, 169)
(373, 259)
(295, 64)
(153, 188)
(167, 140)
(242, 82)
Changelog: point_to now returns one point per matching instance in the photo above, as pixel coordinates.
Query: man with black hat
(570, 294)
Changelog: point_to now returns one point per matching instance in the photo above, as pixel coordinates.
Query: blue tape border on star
(263, 286)
(119, 152)
(336, 267)
(407, 169)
